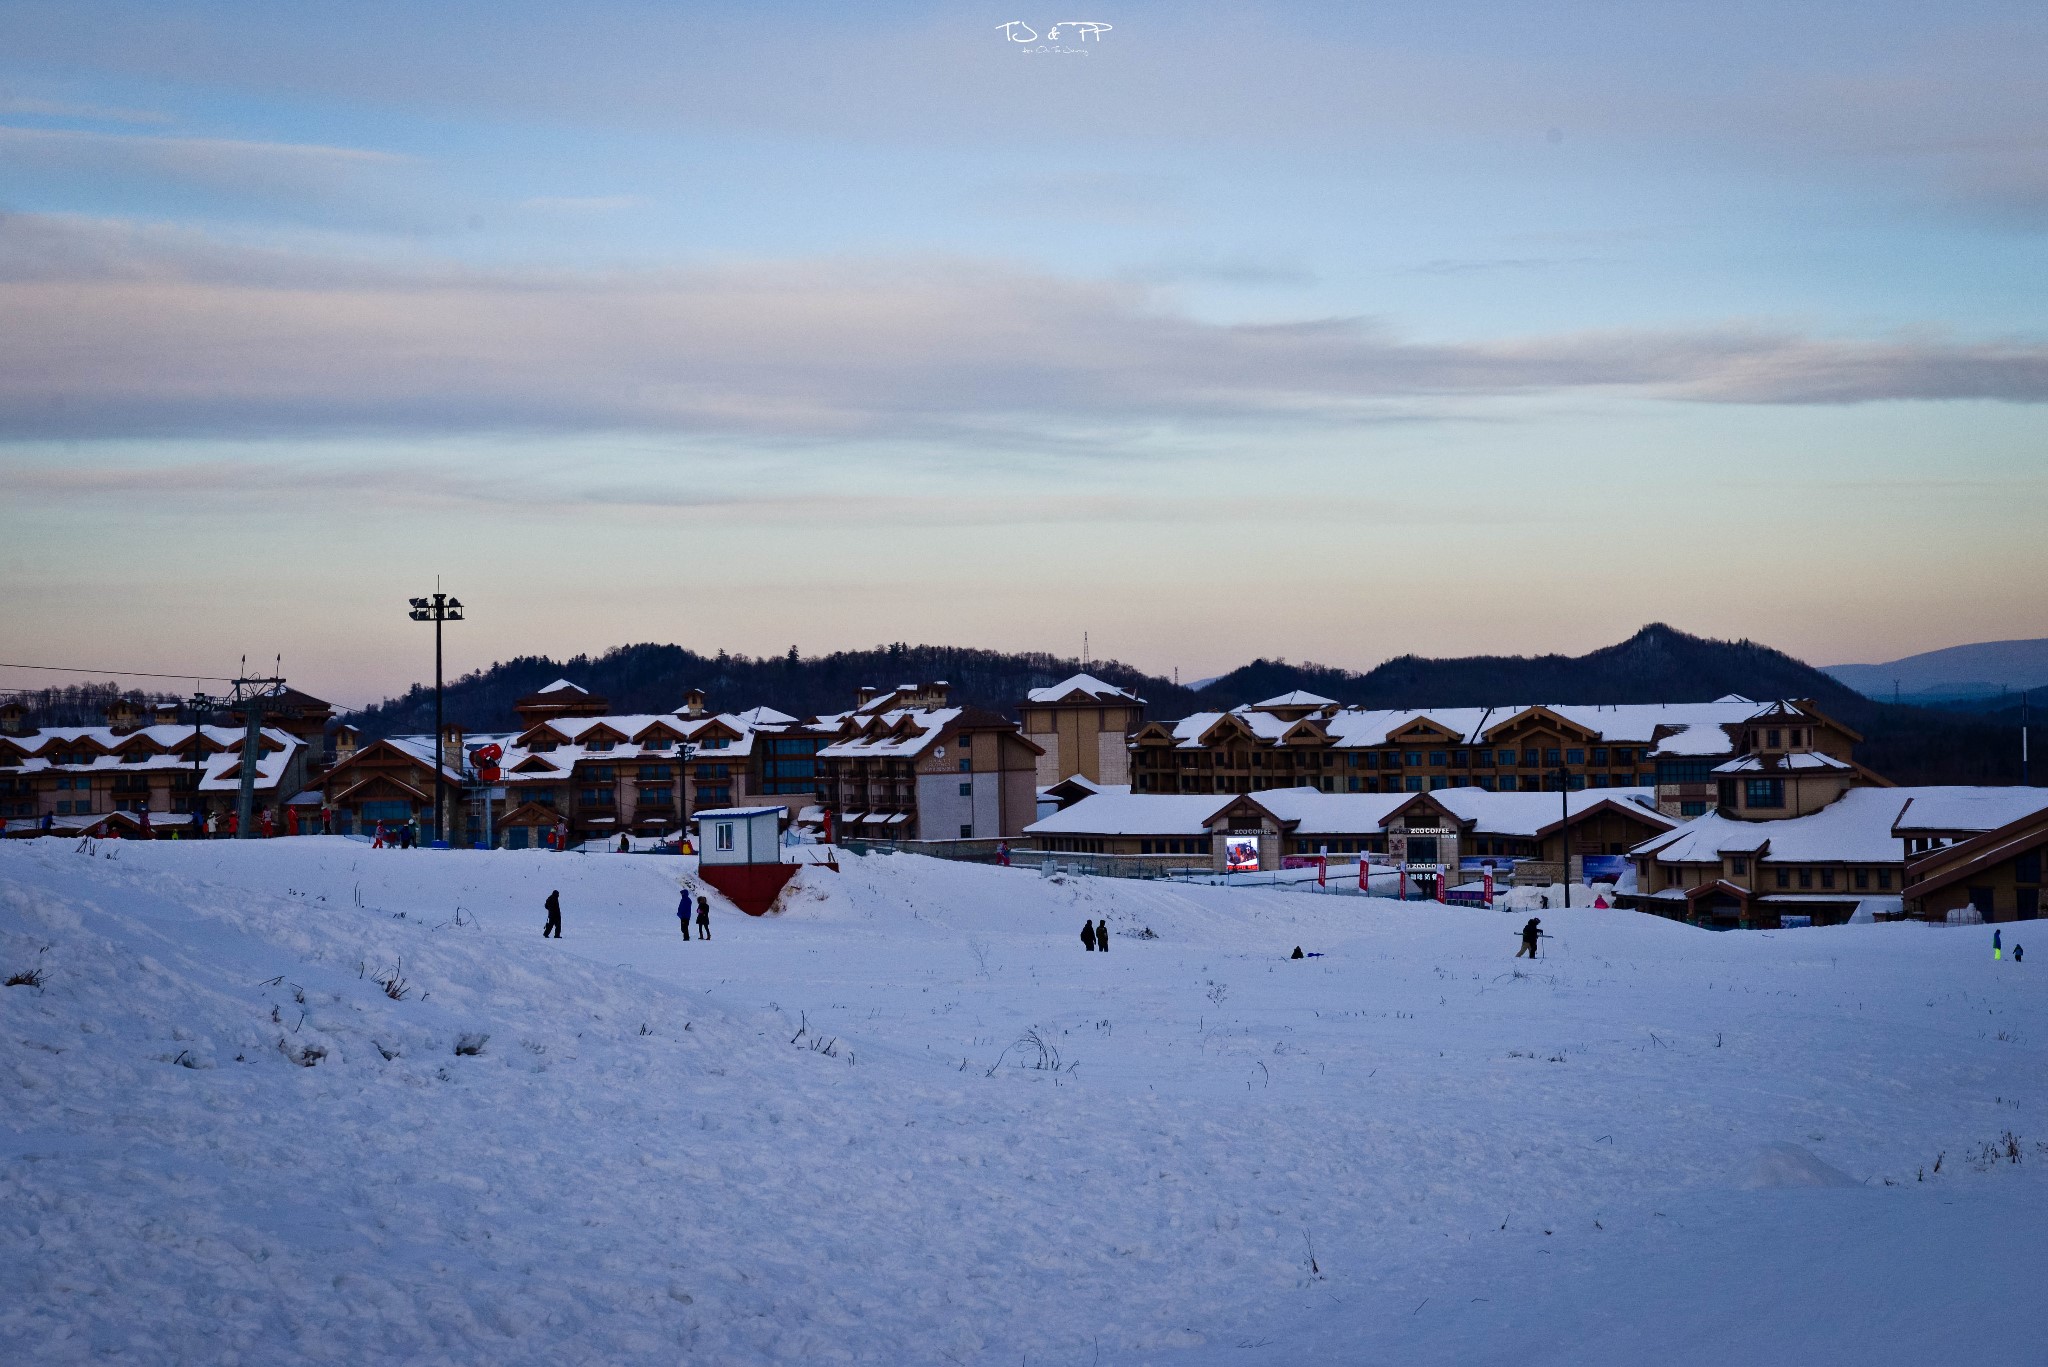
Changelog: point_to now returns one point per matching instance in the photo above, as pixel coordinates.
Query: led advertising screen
(1240, 853)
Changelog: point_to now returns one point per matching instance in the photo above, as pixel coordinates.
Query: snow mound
(1780, 1164)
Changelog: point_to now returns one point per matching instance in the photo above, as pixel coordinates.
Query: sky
(1323, 332)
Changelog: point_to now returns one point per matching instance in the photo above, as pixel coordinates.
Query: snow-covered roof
(1298, 698)
(1313, 812)
(1122, 812)
(735, 813)
(926, 726)
(1970, 809)
(1863, 825)
(563, 686)
(1087, 685)
(1528, 814)
(765, 716)
(1694, 728)
(1805, 761)
(153, 749)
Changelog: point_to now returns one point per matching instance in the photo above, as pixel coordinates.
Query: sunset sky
(1330, 332)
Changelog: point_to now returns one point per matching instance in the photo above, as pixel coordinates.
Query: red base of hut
(752, 888)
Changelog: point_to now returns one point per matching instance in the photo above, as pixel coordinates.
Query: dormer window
(601, 743)
(658, 743)
(1771, 740)
(135, 757)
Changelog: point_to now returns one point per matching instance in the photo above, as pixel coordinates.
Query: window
(1684, 770)
(1575, 757)
(1438, 759)
(1599, 755)
(1507, 783)
(658, 743)
(1462, 758)
(1770, 740)
(967, 790)
(966, 764)
(601, 743)
(722, 835)
(2027, 868)
(654, 773)
(1784, 878)
(1884, 878)
(1599, 780)
(1806, 878)
(1763, 792)
(1439, 781)
(1827, 878)
(1550, 757)
(1739, 866)
(967, 832)
(594, 797)
(1624, 756)
(1414, 759)
(1863, 878)
(1414, 783)
(1530, 759)
(1692, 809)
(1352, 786)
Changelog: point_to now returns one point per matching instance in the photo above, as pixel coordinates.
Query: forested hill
(653, 678)
(1657, 664)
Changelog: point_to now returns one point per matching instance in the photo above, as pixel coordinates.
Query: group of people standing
(404, 836)
(553, 927)
(1095, 935)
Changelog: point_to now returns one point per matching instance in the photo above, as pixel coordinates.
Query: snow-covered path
(1411, 1149)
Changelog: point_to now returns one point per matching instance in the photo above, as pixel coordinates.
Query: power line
(125, 673)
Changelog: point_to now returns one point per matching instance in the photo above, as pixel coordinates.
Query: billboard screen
(1240, 853)
(1605, 868)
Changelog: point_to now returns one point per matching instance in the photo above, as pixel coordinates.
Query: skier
(554, 925)
(1530, 934)
(1102, 936)
(703, 918)
(1088, 936)
(1997, 947)
(683, 913)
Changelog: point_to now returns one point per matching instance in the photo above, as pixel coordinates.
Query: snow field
(1412, 1149)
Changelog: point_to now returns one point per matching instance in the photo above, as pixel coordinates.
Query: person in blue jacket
(683, 913)
(1997, 946)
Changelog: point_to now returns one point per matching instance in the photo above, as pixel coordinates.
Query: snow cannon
(486, 758)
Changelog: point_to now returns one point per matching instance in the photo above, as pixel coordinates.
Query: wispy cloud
(270, 172)
(87, 113)
(113, 340)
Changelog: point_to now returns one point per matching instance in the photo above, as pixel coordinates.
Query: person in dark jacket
(1102, 936)
(554, 925)
(683, 913)
(1997, 944)
(703, 918)
(2019, 952)
(1088, 936)
(625, 845)
(1297, 953)
(1530, 934)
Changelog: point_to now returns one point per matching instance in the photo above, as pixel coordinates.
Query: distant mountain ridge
(1984, 669)
(1656, 664)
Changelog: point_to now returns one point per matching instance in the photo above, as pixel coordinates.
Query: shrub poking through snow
(1032, 1052)
(305, 1057)
(32, 977)
(468, 1044)
(395, 987)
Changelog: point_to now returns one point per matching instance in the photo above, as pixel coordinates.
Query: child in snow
(554, 925)
(1102, 936)
(1530, 934)
(2019, 952)
(703, 918)
(1088, 936)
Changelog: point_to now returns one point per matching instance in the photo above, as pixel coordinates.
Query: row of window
(1173, 847)
(1530, 758)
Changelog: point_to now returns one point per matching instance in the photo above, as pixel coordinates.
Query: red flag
(1441, 879)
(1489, 887)
(1322, 871)
(1364, 868)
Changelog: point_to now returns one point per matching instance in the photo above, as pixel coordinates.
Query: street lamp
(1564, 828)
(437, 609)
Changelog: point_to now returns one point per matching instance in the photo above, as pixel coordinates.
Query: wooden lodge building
(1997, 874)
(1790, 748)
(1082, 726)
(907, 765)
(1520, 835)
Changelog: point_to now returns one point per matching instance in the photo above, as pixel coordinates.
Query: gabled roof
(1298, 698)
(1081, 688)
(1945, 868)
(561, 686)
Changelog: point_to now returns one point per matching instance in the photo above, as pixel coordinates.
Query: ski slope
(840, 1134)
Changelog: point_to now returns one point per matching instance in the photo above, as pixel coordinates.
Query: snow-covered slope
(826, 1136)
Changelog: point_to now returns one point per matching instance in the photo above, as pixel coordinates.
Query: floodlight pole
(437, 609)
(1564, 825)
(200, 704)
